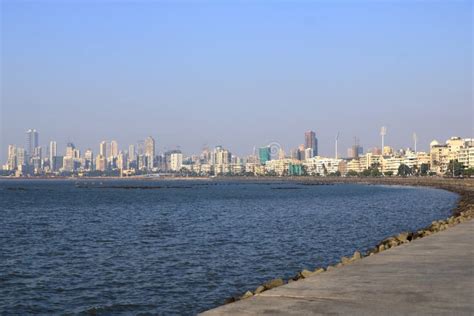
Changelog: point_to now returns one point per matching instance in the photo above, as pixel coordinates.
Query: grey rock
(273, 283)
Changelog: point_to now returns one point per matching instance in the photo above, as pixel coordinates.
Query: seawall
(429, 271)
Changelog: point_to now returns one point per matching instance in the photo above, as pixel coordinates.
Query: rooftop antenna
(337, 137)
(415, 139)
(383, 132)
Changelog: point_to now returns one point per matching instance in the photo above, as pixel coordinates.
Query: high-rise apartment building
(101, 163)
(150, 152)
(121, 161)
(12, 159)
(53, 151)
(71, 159)
(88, 160)
(264, 154)
(70, 150)
(310, 141)
(221, 156)
(21, 157)
(176, 161)
(103, 148)
(38, 153)
(131, 153)
(354, 151)
(31, 141)
(308, 153)
(114, 151)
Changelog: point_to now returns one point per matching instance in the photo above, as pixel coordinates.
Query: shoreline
(462, 212)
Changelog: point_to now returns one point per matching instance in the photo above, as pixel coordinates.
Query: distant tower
(264, 154)
(150, 151)
(103, 148)
(337, 138)
(383, 132)
(53, 151)
(31, 141)
(415, 139)
(131, 153)
(310, 141)
(114, 151)
(356, 150)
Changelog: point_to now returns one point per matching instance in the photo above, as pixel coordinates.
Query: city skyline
(111, 147)
(207, 157)
(271, 159)
(236, 73)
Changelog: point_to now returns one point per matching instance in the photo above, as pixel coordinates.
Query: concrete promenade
(429, 276)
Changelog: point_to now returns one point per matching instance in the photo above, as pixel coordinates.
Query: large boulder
(403, 237)
(246, 295)
(259, 289)
(306, 274)
(345, 260)
(273, 283)
(356, 255)
(318, 271)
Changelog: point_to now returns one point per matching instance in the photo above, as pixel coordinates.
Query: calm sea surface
(183, 247)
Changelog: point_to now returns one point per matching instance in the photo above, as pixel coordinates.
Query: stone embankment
(463, 212)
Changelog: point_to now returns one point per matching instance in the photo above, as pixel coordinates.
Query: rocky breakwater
(463, 212)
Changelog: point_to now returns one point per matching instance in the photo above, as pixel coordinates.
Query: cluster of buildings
(142, 158)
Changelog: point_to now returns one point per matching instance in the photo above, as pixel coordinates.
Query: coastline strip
(462, 213)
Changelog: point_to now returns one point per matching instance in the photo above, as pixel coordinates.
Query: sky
(236, 73)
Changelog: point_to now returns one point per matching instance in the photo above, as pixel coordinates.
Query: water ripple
(107, 251)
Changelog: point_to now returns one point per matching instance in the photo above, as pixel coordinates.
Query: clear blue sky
(239, 74)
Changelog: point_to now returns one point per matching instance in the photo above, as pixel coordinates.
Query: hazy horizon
(237, 74)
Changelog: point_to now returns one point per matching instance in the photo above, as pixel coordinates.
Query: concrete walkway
(429, 276)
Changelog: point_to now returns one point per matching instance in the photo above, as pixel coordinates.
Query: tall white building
(121, 161)
(466, 153)
(114, 151)
(176, 161)
(53, 151)
(12, 158)
(150, 152)
(131, 153)
(21, 157)
(103, 148)
(38, 153)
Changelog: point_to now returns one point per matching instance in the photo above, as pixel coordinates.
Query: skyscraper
(53, 152)
(31, 141)
(103, 148)
(150, 152)
(38, 152)
(88, 159)
(264, 154)
(70, 148)
(114, 151)
(121, 163)
(21, 156)
(131, 153)
(310, 141)
(12, 159)
(176, 161)
(100, 163)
